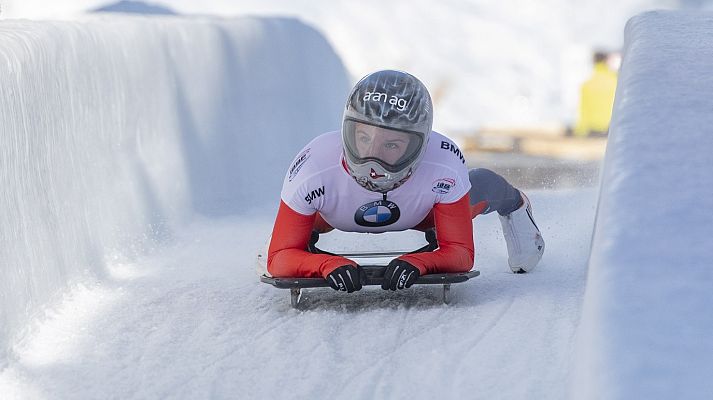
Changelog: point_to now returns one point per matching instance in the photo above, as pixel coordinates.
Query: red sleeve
(287, 255)
(454, 229)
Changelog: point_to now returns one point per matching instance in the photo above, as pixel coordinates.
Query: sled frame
(370, 275)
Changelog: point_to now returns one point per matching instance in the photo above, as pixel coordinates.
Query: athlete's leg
(491, 192)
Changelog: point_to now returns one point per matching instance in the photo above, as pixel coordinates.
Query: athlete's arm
(287, 256)
(454, 229)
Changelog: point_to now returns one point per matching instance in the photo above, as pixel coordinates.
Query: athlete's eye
(364, 139)
(391, 146)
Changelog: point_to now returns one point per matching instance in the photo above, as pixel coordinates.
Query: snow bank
(647, 322)
(114, 131)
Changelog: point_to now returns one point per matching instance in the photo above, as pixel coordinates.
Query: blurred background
(525, 87)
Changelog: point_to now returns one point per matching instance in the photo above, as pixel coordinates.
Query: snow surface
(647, 324)
(192, 321)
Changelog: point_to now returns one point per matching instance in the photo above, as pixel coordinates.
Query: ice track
(192, 321)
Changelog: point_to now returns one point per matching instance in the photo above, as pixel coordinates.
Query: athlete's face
(385, 144)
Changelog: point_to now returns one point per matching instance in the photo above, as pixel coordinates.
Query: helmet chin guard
(372, 176)
(385, 129)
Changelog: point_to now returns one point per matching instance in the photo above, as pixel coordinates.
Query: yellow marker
(596, 101)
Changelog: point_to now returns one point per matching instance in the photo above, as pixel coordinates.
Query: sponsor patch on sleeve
(443, 185)
(297, 165)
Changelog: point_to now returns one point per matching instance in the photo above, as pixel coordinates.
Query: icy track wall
(115, 131)
(647, 322)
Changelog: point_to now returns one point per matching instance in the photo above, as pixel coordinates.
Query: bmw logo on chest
(377, 213)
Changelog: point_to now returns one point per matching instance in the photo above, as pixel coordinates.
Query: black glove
(345, 278)
(399, 274)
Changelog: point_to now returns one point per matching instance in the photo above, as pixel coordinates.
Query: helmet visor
(391, 148)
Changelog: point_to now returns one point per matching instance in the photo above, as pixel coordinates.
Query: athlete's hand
(399, 274)
(345, 279)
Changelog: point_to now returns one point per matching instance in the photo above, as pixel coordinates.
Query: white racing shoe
(523, 238)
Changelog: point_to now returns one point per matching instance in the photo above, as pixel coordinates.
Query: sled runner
(371, 275)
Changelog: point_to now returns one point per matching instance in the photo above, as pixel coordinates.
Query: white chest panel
(318, 182)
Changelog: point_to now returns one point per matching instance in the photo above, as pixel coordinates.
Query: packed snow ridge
(115, 130)
(646, 324)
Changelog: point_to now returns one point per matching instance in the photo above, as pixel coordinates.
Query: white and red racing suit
(319, 194)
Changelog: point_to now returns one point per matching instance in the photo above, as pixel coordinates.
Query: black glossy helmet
(387, 122)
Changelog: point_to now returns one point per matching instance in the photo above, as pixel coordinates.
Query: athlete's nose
(376, 148)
